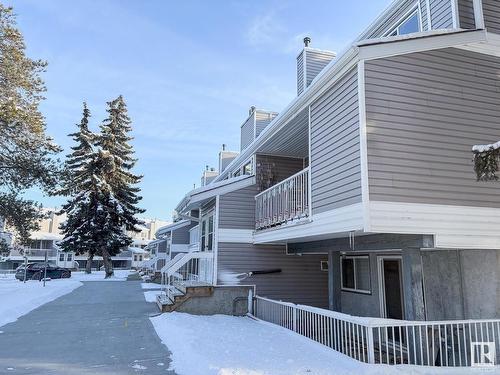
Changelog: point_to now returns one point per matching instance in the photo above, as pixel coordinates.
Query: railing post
(370, 346)
(294, 313)
(250, 302)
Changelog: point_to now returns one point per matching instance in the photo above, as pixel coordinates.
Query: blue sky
(188, 70)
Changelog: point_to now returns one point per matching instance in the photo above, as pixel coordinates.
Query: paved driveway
(101, 328)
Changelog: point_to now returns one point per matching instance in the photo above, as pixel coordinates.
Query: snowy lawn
(150, 295)
(18, 298)
(224, 345)
(120, 275)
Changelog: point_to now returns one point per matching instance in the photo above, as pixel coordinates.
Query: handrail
(282, 182)
(446, 343)
(186, 258)
(171, 262)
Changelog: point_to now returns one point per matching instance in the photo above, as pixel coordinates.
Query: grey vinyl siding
(466, 14)
(300, 280)
(247, 132)
(315, 62)
(441, 14)
(382, 27)
(300, 73)
(162, 247)
(181, 236)
(491, 12)
(335, 158)
(281, 166)
(262, 119)
(237, 209)
(424, 113)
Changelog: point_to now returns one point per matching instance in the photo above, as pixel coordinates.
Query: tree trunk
(108, 265)
(88, 266)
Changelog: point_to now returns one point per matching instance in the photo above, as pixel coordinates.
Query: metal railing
(187, 268)
(283, 202)
(38, 253)
(385, 341)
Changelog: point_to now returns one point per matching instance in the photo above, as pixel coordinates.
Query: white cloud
(265, 30)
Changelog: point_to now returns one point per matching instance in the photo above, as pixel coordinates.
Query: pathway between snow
(101, 328)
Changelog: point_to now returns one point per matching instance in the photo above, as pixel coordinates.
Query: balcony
(285, 202)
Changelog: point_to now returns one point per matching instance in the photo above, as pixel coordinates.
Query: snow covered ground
(224, 345)
(19, 298)
(120, 275)
(150, 286)
(150, 295)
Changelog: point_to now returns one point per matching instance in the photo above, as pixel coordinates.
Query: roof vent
(307, 41)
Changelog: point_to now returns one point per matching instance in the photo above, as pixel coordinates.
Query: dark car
(36, 271)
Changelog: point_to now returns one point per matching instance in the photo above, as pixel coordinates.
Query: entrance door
(391, 287)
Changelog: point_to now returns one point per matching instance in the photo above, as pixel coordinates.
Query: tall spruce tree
(79, 186)
(26, 153)
(119, 204)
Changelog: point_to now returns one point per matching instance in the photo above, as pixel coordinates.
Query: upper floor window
(410, 24)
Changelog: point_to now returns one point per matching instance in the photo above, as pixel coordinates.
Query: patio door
(391, 287)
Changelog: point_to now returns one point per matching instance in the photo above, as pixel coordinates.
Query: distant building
(45, 240)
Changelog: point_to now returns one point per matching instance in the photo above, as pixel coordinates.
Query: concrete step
(185, 291)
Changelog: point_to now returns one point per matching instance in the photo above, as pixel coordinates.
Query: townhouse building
(360, 196)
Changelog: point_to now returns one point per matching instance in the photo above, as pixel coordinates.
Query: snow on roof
(173, 226)
(215, 188)
(136, 250)
(488, 147)
(45, 236)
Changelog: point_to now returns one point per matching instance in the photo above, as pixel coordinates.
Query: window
(237, 173)
(324, 265)
(135, 258)
(61, 257)
(410, 24)
(247, 168)
(355, 271)
(70, 256)
(207, 232)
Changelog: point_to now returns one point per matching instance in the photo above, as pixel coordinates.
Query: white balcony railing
(394, 342)
(284, 202)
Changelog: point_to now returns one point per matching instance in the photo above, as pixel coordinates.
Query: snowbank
(150, 286)
(20, 298)
(150, 295)
(223, 345)
(120, 275)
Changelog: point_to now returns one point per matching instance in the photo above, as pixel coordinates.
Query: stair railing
(185, 268)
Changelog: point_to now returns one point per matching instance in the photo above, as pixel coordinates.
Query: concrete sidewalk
(101, 328)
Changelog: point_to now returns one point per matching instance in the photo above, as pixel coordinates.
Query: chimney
(223, 147)
(209, 174)
(310, 62)
(257, 120)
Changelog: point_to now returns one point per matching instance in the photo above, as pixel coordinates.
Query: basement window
(355, 274)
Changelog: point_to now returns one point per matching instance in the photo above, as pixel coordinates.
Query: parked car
(36, 271)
